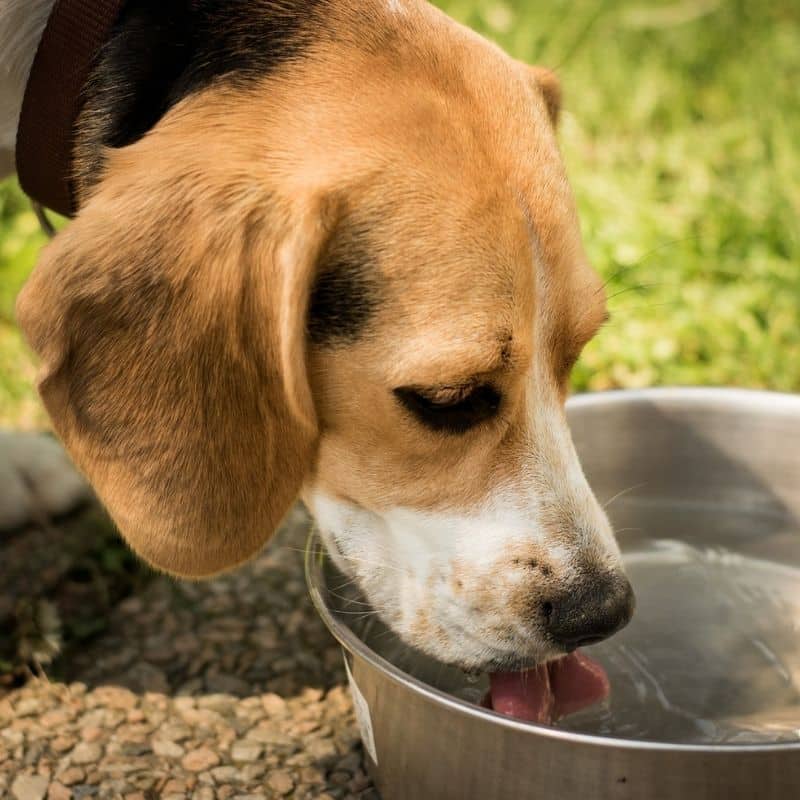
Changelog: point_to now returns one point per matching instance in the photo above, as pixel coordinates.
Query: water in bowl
(712, 656)
(713, 652)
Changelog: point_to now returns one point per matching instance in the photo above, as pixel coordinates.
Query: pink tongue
(551, 691)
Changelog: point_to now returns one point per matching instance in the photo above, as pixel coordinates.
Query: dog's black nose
(600, 604)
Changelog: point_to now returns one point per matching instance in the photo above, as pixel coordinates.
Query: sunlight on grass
(680, 132)
(20, 241)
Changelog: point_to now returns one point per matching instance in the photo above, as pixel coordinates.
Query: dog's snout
(590, 611)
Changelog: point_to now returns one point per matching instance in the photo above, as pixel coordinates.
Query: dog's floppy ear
(170, 320)
(546, 82)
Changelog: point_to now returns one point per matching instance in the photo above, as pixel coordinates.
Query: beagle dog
(328, 249)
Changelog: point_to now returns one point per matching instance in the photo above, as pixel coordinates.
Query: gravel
(230, 688)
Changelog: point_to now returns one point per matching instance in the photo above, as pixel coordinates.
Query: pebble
(246, 751)
(27, 707)
(166, 749)
(86, 753)
(71, 776)
(61, 744)
(339, 778)
(270, 735)
(175, 732)
(252, 772)
(29, 787)
(275, 706)
(350, 763)
(115, 697)
(312, 775)
(57, 791)
(322, 750)
(200, 760)
(280, 781)
(91, 734)
(226, 775)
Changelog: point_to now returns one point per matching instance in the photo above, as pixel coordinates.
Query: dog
(328, 250)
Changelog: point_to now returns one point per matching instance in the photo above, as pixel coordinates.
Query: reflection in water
(713, 652)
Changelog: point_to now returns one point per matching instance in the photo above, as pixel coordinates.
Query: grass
(681, 134)
(20, 241)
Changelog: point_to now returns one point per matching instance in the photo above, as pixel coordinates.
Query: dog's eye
(453, 412)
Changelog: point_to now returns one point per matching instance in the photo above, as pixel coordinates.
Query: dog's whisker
(639, 287)
(364, 561)
(347, 599)
(380, 565)
(646, 257)
(622, 493)
(383, 633)
(290, 547)
(647, 307)
(346, 582)
(614, 275)
(361, 614)
(350, 582)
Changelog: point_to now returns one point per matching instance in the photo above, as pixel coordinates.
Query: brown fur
(170, 314)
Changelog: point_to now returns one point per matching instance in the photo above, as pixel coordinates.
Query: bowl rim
(732, 397)
(315, 553)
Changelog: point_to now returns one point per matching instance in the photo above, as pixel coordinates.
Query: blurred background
(681, 133)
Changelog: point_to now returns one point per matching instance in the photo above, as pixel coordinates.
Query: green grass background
(681, 134)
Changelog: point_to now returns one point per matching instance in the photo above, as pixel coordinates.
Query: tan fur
(173, 347)
(170, 314)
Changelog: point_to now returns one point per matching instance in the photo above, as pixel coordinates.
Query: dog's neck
(21, 25)
(157, 55)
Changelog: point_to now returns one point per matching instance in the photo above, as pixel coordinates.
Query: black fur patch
(160, 52)
(346, 292)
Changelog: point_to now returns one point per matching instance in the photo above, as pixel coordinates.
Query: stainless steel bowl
(691, 451)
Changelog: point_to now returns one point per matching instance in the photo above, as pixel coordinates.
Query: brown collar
(75, 32)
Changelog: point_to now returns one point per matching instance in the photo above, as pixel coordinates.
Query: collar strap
(74, 34)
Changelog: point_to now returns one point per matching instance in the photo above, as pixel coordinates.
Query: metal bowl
(691, 454)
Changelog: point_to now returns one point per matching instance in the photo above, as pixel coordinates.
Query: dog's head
(359, 279)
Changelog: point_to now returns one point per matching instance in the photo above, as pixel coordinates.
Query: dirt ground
(230, 688)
